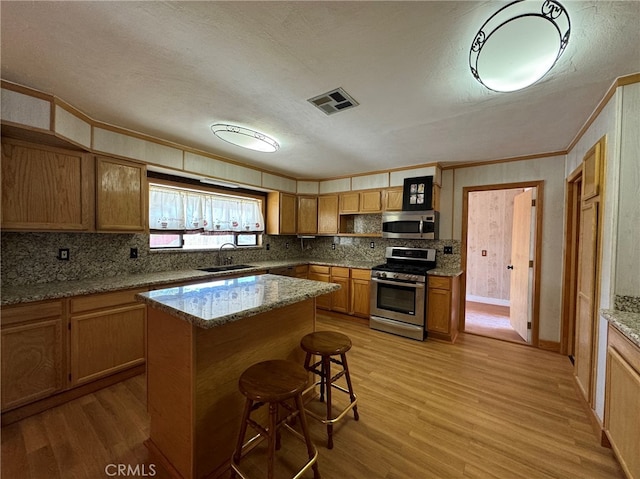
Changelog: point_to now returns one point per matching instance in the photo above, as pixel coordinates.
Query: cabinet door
(107, 341)
(302, 271)
(393, 199)
(371, 201)
(121, 193)
(307, 215)
(324, 301)
(360, 297)
(46, 188)
(281, 214)
(328, 214)
(591, 171)
(340, 298)
(33, 358)
(439, 310)
(622, 404)
(349, 203)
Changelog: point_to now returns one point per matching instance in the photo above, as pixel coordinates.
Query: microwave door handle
(421, 226)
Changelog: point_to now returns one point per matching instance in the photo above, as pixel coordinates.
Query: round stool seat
(273, 381)
(325, 343)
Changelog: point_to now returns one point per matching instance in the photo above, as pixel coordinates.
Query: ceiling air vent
(333, 101)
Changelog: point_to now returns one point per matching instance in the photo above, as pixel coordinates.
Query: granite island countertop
(218, 302)
(628, 323)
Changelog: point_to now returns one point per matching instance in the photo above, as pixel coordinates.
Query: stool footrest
(327, 420)
(300, 437)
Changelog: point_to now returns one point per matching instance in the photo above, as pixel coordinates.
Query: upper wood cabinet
(121, 195)
(369, 201)
(307, 215)
(46, 188)
(591, 166)
(281, 214)
(393, 199)
(328, 214)
(33, 352)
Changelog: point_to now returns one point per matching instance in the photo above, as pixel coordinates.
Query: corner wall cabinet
(622, 401)
(34, 356)
(46, 188)
(121, 195)
(443, 295)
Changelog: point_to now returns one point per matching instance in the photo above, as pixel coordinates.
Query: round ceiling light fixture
(245, 137)
(519, 44)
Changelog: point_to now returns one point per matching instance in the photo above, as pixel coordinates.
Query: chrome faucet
(220, 251)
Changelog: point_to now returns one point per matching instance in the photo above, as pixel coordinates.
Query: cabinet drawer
(302, 269)
(339, 272)
(30, 311)
(107, 300)
(314, 268)
(439, 282)
(361, 274)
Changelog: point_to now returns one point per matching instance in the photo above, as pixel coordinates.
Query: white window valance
(186, 211)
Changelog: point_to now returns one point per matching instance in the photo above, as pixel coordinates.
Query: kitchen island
(200, 338)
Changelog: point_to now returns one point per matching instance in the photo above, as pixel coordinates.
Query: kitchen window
(191, 219)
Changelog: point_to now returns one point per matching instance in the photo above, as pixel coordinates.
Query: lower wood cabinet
(622, 401)
(443, 296)
(302, 271)
(33, 352)
(107, 334)
(360, 292)
(321, 273)
(340, 298)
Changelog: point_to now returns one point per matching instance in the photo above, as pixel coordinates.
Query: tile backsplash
(29, 258)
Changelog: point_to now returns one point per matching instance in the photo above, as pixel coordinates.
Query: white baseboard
(482, 299)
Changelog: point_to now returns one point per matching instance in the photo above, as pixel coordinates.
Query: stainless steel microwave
(411, 224)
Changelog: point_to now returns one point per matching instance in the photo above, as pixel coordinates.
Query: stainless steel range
(398, 291)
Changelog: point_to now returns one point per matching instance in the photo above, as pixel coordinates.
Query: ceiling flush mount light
(245, 137)
(519, 44)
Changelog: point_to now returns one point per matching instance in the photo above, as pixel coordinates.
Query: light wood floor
(491, 321)
(478, 409)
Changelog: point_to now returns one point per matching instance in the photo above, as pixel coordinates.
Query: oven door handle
(399, 283)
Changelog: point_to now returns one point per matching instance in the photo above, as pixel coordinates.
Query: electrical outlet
(286, 245)
(133, 253)
(372, 245)
(63, 254)
(333, 246)
(268, 246)
(448, 250)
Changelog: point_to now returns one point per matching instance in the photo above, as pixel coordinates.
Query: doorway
(501, 226)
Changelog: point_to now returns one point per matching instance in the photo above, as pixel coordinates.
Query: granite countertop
(451, 272)
(627, 323)
(215, 303)
(66, 289)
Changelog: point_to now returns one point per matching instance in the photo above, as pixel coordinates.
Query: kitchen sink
(229, 267)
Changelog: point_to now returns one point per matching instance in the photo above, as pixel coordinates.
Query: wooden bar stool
(327, 344)
(274, 383)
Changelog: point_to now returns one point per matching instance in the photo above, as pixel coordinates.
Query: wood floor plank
(477, 409)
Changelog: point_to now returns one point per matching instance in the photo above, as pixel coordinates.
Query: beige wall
(489, 229)
(551, 171)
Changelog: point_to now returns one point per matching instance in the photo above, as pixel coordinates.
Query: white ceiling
(172, 69)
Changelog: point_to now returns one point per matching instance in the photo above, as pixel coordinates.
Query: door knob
(510, 266)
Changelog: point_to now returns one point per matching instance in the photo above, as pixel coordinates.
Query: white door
(519, 312)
